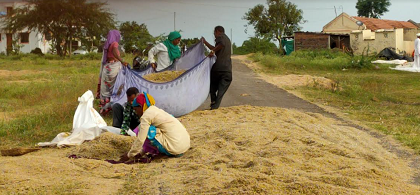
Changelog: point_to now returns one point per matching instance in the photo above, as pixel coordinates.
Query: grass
(39, 95)
(384, 99)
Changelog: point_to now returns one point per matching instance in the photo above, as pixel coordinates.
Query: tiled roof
(375, 24)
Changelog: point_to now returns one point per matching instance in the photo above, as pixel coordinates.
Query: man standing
(221, 72)
(417, 52)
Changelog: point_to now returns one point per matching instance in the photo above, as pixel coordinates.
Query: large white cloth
(163, 60)
(87, 125)
(416, 61)
(417, 53)
(398, 62)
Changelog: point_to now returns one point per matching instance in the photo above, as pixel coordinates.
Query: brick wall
(311, 41)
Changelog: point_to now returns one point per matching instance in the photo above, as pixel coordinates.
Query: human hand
(211, 54)
(153, 66)
(124, 63)
(203, 39)
(124, 157)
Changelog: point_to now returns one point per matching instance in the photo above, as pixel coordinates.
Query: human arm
(213, 49)
(126, 119)
(151, 56)
(137, 147)
(116, 54)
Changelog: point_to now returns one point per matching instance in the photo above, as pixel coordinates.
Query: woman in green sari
(166, 52)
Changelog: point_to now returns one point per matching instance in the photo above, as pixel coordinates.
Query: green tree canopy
(189, 42)
(254, 45)
(63, 20)
(372, 8)
(134, 36)
(279, 19)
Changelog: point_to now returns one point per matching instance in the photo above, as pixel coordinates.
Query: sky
(197, 18)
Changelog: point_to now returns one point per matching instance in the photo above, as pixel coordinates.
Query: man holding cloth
(221, 72)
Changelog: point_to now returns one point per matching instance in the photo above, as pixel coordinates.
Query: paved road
(247, 89)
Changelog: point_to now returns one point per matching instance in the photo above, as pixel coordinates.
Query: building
(375, 34)
(27, 40)
(319, 40)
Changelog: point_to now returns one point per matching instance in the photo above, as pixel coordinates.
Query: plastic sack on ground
(87, 125)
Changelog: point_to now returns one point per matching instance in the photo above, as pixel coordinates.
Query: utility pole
(174, 20)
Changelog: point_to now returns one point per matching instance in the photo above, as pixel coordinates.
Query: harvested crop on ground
(258, 150)
(234, 150)
(49, 171)
(165, 76)
(107, 146)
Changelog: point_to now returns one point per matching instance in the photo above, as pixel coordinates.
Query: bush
(254, 45)
(315, 60)
(37, 51)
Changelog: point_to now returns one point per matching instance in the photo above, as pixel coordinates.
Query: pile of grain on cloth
(163, 77)
(107, 146)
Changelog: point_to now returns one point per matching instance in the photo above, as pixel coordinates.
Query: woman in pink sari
(111, 65)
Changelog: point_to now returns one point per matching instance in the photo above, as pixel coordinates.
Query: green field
(39, 95)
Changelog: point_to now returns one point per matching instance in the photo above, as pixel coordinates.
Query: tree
(281, 18)
(189, 42)
(254, 44)
(64, 20)
(134, 36)
(372, 8)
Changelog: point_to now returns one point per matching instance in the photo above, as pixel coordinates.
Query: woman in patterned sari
(111, 65)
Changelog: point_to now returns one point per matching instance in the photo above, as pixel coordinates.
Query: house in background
(375, 34)
(29, 40)
(319, 40)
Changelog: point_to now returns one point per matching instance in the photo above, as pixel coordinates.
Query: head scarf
(173, 50)
(141, 100)
(113, 36)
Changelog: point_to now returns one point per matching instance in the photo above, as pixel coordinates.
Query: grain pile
(163, 77)
(235, 150)
(107, 146)
(256, 150)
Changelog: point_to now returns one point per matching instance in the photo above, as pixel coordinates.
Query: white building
(29, 40)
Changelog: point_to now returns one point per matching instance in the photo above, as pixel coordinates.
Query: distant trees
(189, 42)
(279, 19)
(372, 8)
(63, 20)
(135, 36)
(254, 45)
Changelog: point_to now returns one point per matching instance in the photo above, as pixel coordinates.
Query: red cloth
(140, 99)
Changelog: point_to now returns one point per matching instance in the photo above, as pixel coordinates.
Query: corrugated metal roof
(375, 24)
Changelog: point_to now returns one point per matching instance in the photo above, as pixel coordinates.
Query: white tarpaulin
(409, 67)
(398, 62)
(87, 125)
